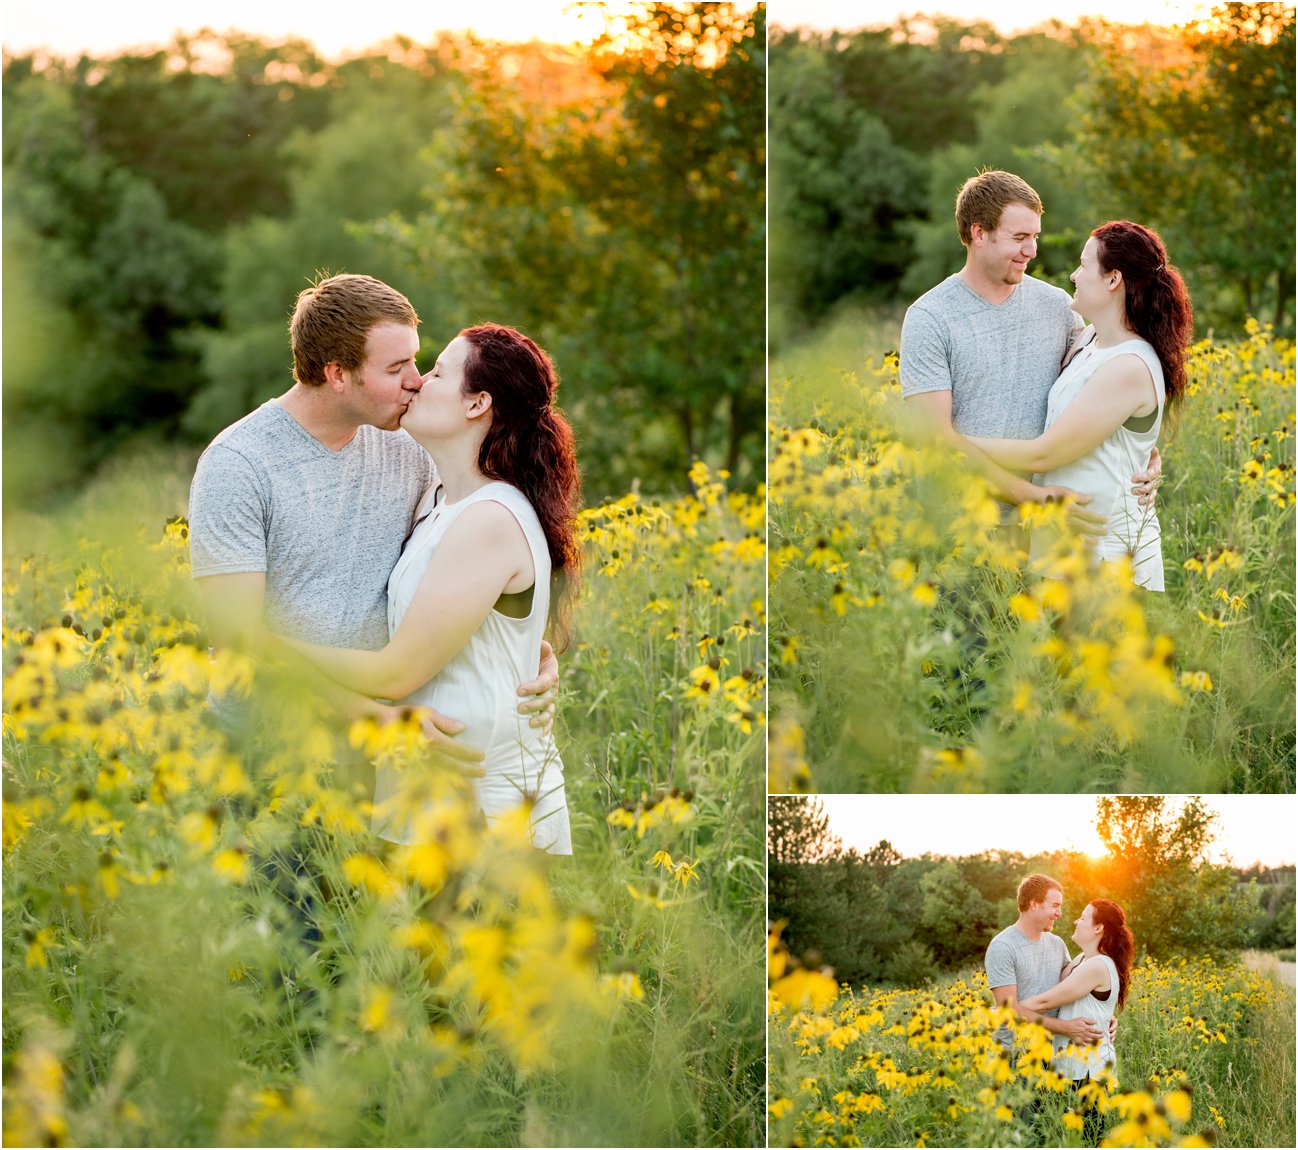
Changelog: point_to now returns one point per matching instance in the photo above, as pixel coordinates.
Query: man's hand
(1081, 1031)
(539, 695)
(1090, 524)
(440, 731)
(1113, 1030)
(1146, 483)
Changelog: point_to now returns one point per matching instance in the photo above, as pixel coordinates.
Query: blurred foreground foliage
(160, 985)
(919, 651)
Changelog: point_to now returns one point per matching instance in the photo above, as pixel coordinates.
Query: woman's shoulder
(1098, 963)
(498, 503)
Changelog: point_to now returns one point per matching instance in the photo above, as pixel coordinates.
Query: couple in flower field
(1050, 396)
(409, 538)
(1075, 998)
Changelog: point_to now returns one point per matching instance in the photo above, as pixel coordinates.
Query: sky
(1007, 15)
(1251, 828)
(101, 27)
(105, 27)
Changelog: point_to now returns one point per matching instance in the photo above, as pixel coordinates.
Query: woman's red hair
(531, 445)
(1157, 302)
(1116, 941)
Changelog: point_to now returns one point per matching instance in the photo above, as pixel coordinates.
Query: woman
(469, 599)
(1108, 406)
(1093, 985)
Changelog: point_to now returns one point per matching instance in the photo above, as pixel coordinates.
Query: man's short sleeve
(925, 365)
(227, 515)
(1000, 964)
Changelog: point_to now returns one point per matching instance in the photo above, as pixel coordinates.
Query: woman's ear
(479, 405)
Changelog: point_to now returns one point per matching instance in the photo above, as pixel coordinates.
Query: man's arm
(1079, 1030)
(933, 411)
(235, 606)
(1145, 484)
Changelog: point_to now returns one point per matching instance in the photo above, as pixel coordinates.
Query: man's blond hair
(332, 321)
(982, 199)
(1034, 889)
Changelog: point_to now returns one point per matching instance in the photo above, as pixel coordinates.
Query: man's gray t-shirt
(998, 361)
(1030, 967)
(325, 526)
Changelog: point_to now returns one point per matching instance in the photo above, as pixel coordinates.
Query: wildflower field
(1205, 1057)
(913, 650)
(161, 989)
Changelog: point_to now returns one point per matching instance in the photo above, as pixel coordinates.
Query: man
(1027, 959)
(299, 510)
(980, 351)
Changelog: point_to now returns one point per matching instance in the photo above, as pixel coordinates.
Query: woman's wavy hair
(1157, 302)
(530, 444)
(1116, 941)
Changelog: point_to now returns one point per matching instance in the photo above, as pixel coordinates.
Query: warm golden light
(1007, 15)
(1249, 828)
(72, 27)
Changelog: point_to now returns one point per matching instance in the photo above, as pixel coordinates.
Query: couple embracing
(399, 533)
(999, 365)
(1075, 998)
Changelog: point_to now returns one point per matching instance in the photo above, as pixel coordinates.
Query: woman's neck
(1112, 329)
(457, 469)
(1089, 949)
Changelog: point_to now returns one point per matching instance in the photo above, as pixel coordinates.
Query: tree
(1194, 135)
(1019, 121)
(109, 186)
(1157, 869)
(798, 831)
(800, 882)
(954, 917)
(618, 217)
(339, 218)
(855, 119)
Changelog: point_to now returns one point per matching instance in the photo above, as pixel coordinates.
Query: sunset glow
(1250, 827)
(1007, 15)
(71, 27)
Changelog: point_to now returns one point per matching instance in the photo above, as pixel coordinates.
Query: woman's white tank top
(1091, 1059)
(1105, 472)
(479, 685)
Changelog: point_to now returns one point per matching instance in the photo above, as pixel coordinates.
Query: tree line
(877, 917)
(1191, 132)
(163, 209)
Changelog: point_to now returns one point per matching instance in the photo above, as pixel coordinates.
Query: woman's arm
(933, 419)
(1090, 975)
(1118, 390)
(483, 554)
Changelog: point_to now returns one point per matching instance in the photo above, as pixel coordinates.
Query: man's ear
(335, 375)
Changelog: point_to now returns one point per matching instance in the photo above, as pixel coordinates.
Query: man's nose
(413, 381)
